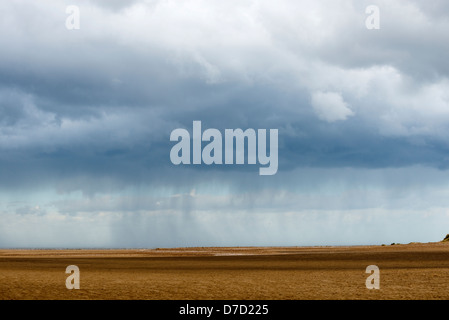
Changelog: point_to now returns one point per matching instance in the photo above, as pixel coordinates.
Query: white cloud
(330, 106)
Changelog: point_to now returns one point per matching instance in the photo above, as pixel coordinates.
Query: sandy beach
(407, 271)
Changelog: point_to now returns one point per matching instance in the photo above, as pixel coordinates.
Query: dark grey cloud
(91, 110)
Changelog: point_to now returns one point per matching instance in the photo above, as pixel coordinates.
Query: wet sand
(407, 271)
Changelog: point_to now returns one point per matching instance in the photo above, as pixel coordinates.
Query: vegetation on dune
(446, 239)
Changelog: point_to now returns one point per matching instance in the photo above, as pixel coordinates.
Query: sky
(86, 116)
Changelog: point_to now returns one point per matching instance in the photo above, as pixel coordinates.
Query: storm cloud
(86, 116)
